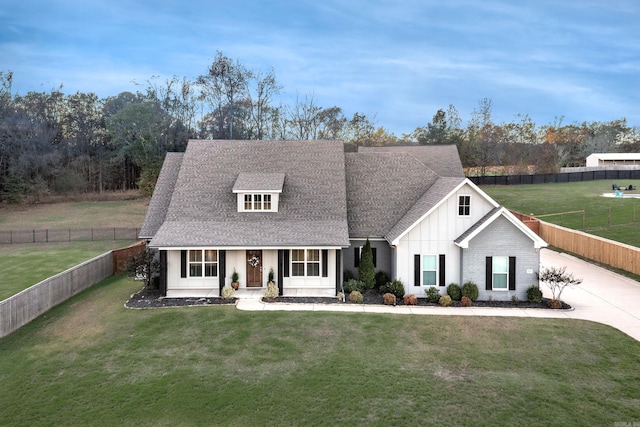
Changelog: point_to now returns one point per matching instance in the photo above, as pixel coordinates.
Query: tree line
(56, 143)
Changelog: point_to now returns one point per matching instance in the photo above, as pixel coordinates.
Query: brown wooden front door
(254, 269)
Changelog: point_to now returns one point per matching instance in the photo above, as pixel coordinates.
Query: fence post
(609, 218)
(34, 235)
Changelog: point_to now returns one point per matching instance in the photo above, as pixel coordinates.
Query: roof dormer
(258, 192)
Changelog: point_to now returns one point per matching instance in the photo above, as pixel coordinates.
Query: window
(500, 272)
(203, 263)
(257, 202)
(305, 262)
(464, 205)
(429, 270)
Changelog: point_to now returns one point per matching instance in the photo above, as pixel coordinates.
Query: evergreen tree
(366, 271)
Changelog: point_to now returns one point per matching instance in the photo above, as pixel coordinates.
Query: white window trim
(459, 205)
(305, 262)
(203, 263)
(273, 199)
(422, 270)
(505, 273)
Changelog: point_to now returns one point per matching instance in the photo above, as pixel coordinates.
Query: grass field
(120, 213)
(24, 265)
(614, 218)
(91, 361)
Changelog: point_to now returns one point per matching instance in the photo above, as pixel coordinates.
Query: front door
(254, 269)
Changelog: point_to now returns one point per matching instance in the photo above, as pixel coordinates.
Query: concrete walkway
(603, 297)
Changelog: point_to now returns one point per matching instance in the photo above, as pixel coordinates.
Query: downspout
(461, 266)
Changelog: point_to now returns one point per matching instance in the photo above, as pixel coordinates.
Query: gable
(509, 227)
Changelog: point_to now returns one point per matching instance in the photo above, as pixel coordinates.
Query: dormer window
(257, 202)
(258, 192)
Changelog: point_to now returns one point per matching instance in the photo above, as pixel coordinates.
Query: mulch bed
(153, 299)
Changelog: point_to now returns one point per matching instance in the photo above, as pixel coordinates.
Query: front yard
(91, 361)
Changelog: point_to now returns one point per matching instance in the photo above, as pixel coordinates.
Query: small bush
(272, 291)
(389, 299)
(445, 301)
(352, 285)
(534, 294)
(514, 299)
(554, 303)
(228, 292)
(381, 279)
(347, 275)
(465, 301)
(454, 292)
(433, 294)
(340, 296)
(356, 297)
(470, 290)
(410, 299)
(395, 287)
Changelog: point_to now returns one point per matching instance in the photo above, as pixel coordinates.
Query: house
(613, 159)
(305, 208)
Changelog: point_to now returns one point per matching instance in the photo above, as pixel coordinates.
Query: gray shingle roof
(312, 206)
(478, 224)
(161, 198)
(381, 188)
(442, 159)
(259, 182)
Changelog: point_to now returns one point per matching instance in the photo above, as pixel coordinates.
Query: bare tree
(226, 82)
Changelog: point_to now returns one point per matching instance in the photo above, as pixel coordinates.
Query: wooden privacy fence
(599, 249)
(25, 306)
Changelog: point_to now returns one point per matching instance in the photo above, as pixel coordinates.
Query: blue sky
(400, 60)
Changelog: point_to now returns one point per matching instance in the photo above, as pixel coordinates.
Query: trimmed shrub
(366, 271)
(356, 297)
(352, 285)
(465, 301)
(395, 287)
(534, 294)
(272, 291)
(381, 279)
(347, 275)
(410, 299)
(554, 303)
(454, 291)
(433, 294)
(470, 290)
(445, 301)
(389, 299)
(228, 292)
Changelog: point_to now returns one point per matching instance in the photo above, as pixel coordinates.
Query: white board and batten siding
(435, 235)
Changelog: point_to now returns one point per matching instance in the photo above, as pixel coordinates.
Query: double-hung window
(305, 262)
(429, 270)
(464, 205)
(500, 272)
(257, 202)
(203, 263)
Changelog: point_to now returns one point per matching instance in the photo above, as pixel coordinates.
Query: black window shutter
(325, 262)
(441, 271)
(375, 257)
(512, 273)
(356, 257)
(338, 272)
(222, 269)
(163, 272)
(489, 274)
(285, 266)
(183, 263)
(281, 253)
(416, 270)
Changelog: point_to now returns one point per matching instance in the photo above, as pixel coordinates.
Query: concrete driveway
(603, 296)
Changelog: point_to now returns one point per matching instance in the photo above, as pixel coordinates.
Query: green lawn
(613, 218)
(25, 265)
(90, 361)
